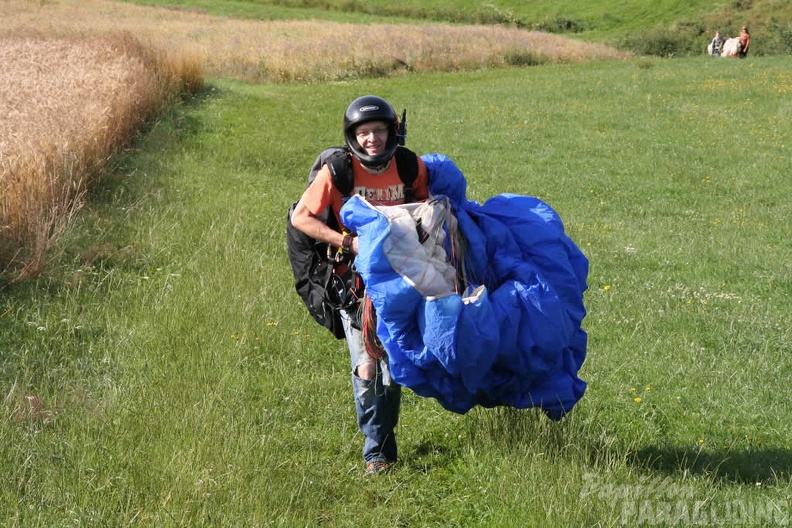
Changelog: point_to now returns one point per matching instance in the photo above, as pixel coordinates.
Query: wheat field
(69, 101)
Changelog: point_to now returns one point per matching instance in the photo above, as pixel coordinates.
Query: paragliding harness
(325, 276)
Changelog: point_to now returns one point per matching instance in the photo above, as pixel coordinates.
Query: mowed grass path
(165, 374)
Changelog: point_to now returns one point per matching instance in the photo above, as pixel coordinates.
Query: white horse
(731, 48)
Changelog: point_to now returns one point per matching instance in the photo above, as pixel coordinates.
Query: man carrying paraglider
(476, 304)
(370, 128)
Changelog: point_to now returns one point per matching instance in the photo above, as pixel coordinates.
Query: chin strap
(377, 169)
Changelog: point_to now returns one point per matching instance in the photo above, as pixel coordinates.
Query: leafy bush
(524, 58)
(660, 44)
(776, 40)
(561, 25)
(682, 40)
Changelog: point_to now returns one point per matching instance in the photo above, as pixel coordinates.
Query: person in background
(745, 42)
(716, 45)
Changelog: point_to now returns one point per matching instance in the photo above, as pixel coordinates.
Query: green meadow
(164, 372)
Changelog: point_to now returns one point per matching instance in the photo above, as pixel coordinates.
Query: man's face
(372, 137)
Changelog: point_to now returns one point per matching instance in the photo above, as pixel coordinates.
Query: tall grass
(69, 104)
(164, 373)
(311, 50)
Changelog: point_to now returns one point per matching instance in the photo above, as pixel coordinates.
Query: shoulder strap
(407, 163)
(340, 165)
(337, 159)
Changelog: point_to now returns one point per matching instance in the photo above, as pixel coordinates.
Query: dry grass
(305, 51)
(67, 105)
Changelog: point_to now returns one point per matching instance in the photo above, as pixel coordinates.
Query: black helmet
(365, 109)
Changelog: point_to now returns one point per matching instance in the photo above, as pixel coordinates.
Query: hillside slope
(658, 27)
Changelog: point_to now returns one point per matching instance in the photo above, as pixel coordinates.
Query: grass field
(164, 373)
(660, 27)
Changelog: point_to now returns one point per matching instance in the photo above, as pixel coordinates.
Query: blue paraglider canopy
(476, 304)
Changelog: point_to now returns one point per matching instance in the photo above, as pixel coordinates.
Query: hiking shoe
(376, 467)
